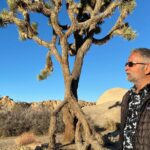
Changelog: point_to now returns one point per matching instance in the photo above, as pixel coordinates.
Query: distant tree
(86, 18)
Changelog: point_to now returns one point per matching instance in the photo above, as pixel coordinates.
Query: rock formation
(6, 103)
(114, 94)
(106, 113)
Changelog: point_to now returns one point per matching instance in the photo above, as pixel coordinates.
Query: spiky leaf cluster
(34, 26)
(47, 5)
(128, 5)
(2, 23)
(3, 14)
(127, 32)
(22, 35)
(12, 4)
(48, 68)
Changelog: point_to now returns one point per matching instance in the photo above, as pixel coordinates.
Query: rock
(105, 118)
(103, 115)
(50, 104)
(114, 94)
(6, 103)
(85, 103)
(106, 113)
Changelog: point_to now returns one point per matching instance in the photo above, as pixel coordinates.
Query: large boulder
(106, 113)
(104, 116)
(114, 94)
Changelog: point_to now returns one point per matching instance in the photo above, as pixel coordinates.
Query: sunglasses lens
(129, 64)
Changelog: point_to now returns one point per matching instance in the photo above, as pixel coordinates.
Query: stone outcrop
(114, 94)
(50, 104)
(6, 103)
(106, 113)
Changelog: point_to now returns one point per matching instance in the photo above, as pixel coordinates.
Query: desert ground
(10, 143)
(104, 114)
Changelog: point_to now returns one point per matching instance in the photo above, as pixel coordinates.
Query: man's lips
(127, 73)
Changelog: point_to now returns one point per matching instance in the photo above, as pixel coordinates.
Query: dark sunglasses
(131, 64)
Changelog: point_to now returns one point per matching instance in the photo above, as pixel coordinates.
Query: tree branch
(79, 57)
(102, 40)
(89, 137)
(52, 127)
(39, 7)
(54, 49)
(99, 17)
(65, 63)
(41, 42)
(55, 24)
(78, 139)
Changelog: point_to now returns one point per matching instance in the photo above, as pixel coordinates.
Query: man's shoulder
(126, 96)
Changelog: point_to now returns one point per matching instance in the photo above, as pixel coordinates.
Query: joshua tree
(86, 17)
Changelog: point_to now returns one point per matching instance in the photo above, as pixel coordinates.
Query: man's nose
(127, 67)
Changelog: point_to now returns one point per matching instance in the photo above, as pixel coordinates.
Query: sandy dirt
(9, 143)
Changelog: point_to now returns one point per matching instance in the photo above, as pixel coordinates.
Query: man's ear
(147, 69)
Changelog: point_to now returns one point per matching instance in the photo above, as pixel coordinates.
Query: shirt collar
(146, 89)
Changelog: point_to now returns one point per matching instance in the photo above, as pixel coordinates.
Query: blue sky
(103, 68)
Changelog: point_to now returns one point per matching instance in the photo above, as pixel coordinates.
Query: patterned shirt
(135, 104)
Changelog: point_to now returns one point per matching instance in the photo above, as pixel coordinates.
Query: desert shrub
(39, 120)
(26, 138)
(13, 123)
(21, 105)
(20, 120)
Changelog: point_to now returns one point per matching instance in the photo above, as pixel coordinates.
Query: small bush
(26, 138)
(20, 120)
(39, 120)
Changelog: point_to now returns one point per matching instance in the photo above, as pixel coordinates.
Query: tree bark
(90, 136)
(52, 128)
(68, 119)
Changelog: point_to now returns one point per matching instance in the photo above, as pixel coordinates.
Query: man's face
(136, 72)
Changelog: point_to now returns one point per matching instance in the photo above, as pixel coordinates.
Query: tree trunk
(70, 111)
(52, 128)
(69, 118)
(91, 137)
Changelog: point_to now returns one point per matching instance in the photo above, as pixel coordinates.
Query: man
(135, 107)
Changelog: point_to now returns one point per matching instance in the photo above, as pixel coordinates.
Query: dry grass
(21, 120)
(26, 138)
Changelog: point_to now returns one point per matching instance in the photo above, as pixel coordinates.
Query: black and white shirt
(135, 104)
